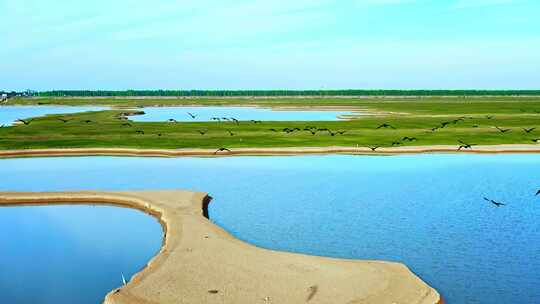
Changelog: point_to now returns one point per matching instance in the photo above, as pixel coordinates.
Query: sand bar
(522, 148)
(201, 263)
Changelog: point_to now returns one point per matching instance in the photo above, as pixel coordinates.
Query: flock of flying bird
(314, 130)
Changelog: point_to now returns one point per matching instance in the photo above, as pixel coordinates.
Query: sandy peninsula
(513, 148)
(201, 263)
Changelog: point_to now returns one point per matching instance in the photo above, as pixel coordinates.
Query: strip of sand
(201, 263)
(267, 151)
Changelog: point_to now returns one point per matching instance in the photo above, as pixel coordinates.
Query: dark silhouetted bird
(407, 138)
(528, 130)
(221, 150)
(193, 116)
(503, 130)
(385, 125)
(374, 148)
(25, 122)
(64, 120)
(202, 132)
(497, 204)
(172, 120)
(537, 192)
(464, 145)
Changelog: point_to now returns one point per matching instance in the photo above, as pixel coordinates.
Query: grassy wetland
(391, 121)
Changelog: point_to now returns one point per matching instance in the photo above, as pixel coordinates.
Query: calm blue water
(8, 114)
(240, 113)
(424, 210)
(71, 254)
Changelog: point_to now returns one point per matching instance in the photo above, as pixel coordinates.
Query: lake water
(240, 113)
(8, 114)
(426, 211)
(71, 254)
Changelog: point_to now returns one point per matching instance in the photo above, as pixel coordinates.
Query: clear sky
(293, 44)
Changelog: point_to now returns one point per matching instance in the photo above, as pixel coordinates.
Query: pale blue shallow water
(71, 254)
(426, 211)
(240, 113)
(8, 114)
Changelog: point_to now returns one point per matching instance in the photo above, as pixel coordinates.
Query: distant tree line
(285, 93)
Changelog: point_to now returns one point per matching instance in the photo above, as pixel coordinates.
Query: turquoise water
(426, 211)
(240, 113)
(8, 114)
(71, 254)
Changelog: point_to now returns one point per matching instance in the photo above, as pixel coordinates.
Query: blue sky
(240, 44)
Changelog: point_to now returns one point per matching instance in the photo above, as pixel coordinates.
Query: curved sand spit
(201, 263)
(268, 151)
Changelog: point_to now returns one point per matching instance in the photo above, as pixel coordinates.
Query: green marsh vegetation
(471, 120)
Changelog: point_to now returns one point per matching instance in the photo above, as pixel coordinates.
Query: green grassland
(411, 117)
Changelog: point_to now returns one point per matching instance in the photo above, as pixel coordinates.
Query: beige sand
(201, 263)
(268, 151)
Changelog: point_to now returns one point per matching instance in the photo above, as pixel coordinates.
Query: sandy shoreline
(266, 151)
(198, 257)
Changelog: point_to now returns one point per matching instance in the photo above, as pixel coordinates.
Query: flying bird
(25, 122)
(273, 130)
(497, 204)
(87, 121)
(222, 149)
(464, 145)
(528, 130)
(409, 138)
(385, 125)
(537, 192)
(172, 120)
(193, 116)
(64, 120)
(202, 132)
(444, 124)
(503, 130)
(374, 148)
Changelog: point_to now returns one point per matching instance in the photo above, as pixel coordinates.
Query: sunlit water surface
(9, 114)
(426, 211)
(71, 254)
(239, 113)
